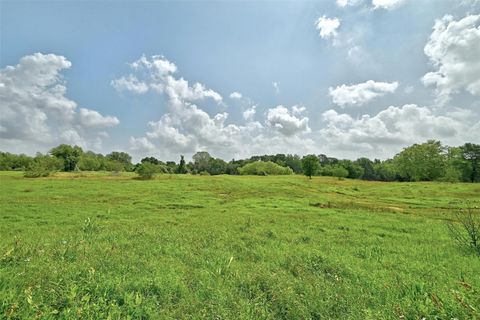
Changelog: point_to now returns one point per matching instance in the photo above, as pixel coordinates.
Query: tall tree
(422, 162)
(471, 154)
(68, 154)
(310, 165)
(122, 157)
(201, 161)
(181, 166)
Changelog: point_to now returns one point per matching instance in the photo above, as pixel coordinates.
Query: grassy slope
(230, 247)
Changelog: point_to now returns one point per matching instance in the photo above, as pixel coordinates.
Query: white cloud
(91, 118)
(387, 132)
(361, 93)
(454, 50)
(298, 110)
(35, 112)
(387, 4)
(249, 113)
(129, 83)
(327, 27)
(286, 122)
(235, 95)
(156, 74)
(345, 3)
(187, 128)
(142, 145)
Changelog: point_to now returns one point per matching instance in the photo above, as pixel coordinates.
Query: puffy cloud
(235, 95)
(327, 27)
(129, 83)
(186, 128)
(361, 93)
(387, 4)
(385, 133)
(454, 50)
(36, 114)
(249, 113)
(157, 74)
(286, 122)
(141, 144)
(91, 118)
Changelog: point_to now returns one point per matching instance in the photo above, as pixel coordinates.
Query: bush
(465, 229)
(334, 171)
(147, 170)
(264, 168)
(43, 166)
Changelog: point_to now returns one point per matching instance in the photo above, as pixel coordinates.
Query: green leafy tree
(89, 161)
(471, 155)
(10, 161)
(151, 160)
(422, 162)
(181, 169)
(368, 170)
(310, 165)
(121, 157)
(355, 171)
(201, 161)
(216, 166)
(68, 154)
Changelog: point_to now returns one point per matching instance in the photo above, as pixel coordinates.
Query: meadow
(98, 246)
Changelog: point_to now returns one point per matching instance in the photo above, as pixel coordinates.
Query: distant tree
(310, 165)
(368, 170)
(89, 161)
(471, 154)
(339, 171)
(150, 160)
(385, 171)
(420, 162)
(201, 161)
(294, 162)
(10, 161)
(334, 170)
(181, 169)
(121, 157)
(216, 166)
(68, 154)
(355, 171)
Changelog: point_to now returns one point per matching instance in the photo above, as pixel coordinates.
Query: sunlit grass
(96, 245)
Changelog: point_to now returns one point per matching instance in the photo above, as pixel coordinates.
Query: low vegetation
(96, 246)
(429, 161)
(262, 168)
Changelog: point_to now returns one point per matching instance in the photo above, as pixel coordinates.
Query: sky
(346, 78)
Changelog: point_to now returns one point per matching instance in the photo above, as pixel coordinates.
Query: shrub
(43, 166)
(264, 168)
(147, 170)
(465, 229)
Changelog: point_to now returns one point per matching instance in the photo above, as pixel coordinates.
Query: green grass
(95, 246)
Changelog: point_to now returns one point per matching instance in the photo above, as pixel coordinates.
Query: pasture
(97, 246)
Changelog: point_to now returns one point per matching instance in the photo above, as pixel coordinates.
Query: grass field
(96, 246)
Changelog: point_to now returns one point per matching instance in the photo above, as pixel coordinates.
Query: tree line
(427, 161)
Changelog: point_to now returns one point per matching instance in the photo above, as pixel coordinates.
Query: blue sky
(284, 58)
